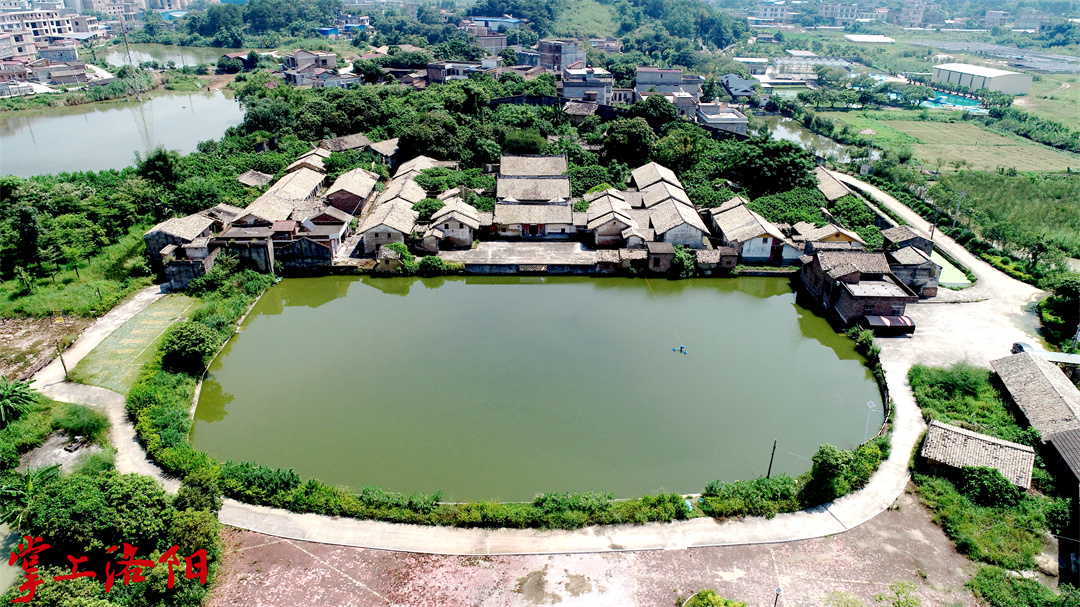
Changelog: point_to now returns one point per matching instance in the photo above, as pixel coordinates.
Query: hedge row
(161, 398)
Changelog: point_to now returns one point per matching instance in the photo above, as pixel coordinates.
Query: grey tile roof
(254, 178)
(1045, 396)
(396, 215)
(608, 192)
(457, 210)
(521, 189)
(651, 173)
(225, 213)
(607, 208)
(532, 166)
(835, 262)
(660, 248)
(663, 191)
(186, 228)
(312, 161)
(739, 224)
(809, 232)
(737, 201)
(829, 186)
(671, 214)
(632, 254)
(899, 234)
(403, 189)
(387, 147)
(910, 256)
(348, 142)
(959, 447)
(508, 214)
(297, 185)
(1067, 444)
(357, 181)
(707, 256)
(580, 108)
(421, 163)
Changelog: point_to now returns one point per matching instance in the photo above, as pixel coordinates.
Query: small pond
(792, 130)
(162, 53)
(951, 276)
(106, 135)
(500, 388)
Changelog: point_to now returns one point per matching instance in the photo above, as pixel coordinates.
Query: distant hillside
(587, 18)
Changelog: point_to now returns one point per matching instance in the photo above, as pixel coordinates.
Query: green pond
(500, 388)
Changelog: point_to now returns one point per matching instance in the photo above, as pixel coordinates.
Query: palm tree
(16, 397)
(16, 496)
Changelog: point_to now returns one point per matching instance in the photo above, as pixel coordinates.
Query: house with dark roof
(386, 149)
(177, 231)
(652, 173)
(755, 238)
(608, 218)
(387, 224)
(661, 255)
(677, 223)
(1042, 392)
(915, 269)
(355, 141)
(851, 284)
(830, 186)
(353, 191)
(532, 166)
(953, 447)
(899, 237)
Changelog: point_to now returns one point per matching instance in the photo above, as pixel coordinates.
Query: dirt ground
(27, 342)
(902, 544)
(216, 82)
(51, 452)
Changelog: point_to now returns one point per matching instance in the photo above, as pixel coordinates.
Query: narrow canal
(505, 387)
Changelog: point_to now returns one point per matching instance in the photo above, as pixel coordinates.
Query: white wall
(686, 235)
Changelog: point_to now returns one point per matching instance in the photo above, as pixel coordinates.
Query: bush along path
(161, 397)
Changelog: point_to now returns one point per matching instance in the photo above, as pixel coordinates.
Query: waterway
(500, 388)
(162, 53)
(106, 135)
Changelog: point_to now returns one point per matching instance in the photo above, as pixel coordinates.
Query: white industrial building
(978, 77)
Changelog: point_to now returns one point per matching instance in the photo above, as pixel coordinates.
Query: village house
(587, 84)
(355, 141)
(677, 223)
(533, 200)
(661, 256)
(352, 191)
(455, 224)
(254, 178)
(312, 159)
(386, 149)
(712, 261)
(412, 168)
(916, 270)
(387, 261)
(754, 238)
(829, 185)
(608, 218)
(300, 59)
(851, 284)
(1041, 391)
(578, 111)
(278, 201)
(812, 237)
(388, 223)
(722, 116)
(952, 447)
(652, 173)
(903, 236)
(177, 231)
(403, 190)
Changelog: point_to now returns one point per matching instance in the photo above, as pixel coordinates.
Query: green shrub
(709, 598)
(433, 265)
(16, 398)
(9, 457)
(187, 347)
(200, 490)
(684, 265)
(427, 207)
(997, 588)
(257, 484)
(759, 497)
(987, 487)
(78, 420)
(836, 473)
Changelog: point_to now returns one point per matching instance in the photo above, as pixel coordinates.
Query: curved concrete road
(988, 334)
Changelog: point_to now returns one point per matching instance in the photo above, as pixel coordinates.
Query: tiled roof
(663, 191)
(959, 447)
(186, 228)
(357, 181)
(671, 214)
(660, 248)
(297, 185)
(1045, 396)
(311, 161)
(457, 210)
(842, 263)
(546, 189)
(829, 186)
(1067, 444)
(507, 214)
(403, 189)
(899, 234)
(739, 224)
(910, 256)
(387, 147)
(254, 178)
(396, 215)
(809, 232)
(532, 165)
(651, 173)
(348, 142)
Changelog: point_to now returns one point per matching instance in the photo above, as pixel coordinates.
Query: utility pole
(956, 215)
(769, 473)
(60, 355)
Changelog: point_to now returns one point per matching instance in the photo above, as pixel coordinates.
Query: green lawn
(587, 18)
(117, 361)
(1051, 99)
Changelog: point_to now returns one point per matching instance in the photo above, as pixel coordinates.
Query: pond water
(954, 102)
(106, 135)
(951, 276)
(162, 53)
(500, 388)
(792, 130)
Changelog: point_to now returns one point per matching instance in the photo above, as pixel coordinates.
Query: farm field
(1055, 97)
(116, 363)
(955, 141)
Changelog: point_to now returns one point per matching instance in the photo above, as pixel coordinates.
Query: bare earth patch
(901, 544)
(26, 343)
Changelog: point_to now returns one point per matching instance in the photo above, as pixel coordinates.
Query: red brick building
(852, 284)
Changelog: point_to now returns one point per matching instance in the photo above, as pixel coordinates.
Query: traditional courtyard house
(754, 238)
(1041, 391)
(661, 192)
(254, 178)
(457, 222)
(948, 446)
(903, 236)
(677, 223)
(532, 166)
(609, 218)
(356, 141)
(830, 186)
(412, 168)
(402, 191)
(661, 255)
(915, 269)
(177, 231)
(312, 160)
(652, 173)
(352, 191)
(853, 284)
(386, 149)
(387, 224)
(532, 196)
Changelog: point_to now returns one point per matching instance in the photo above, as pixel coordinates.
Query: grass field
(587, 18)
(1055, 97)
(951, 142)
(116, 362)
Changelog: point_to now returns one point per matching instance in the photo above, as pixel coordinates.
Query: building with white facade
(978, 77)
